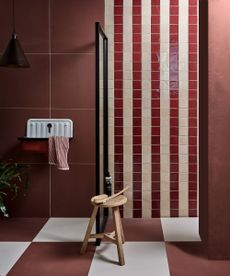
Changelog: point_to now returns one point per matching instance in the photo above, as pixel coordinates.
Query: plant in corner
(13, 178)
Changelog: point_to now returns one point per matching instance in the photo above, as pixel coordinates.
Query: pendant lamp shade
(13, 55)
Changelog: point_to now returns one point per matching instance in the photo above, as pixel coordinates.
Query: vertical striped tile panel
(137, 108)
(193, 107)
(174, 87)
(154, 56)
(146, 108)
(164, 109)
(127, 105)
(118, 95)
(155, 103)
(183, 107)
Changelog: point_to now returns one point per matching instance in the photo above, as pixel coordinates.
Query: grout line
(50, 60)
(51, 53)
(50, 98)
(77, 53)
(67, 108)
(23, 108)
(70, 163)
(82, 164)
(45, 108)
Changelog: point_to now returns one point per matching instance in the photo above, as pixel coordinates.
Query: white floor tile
(10, 252)
(180, 229)
(63, 230)
(141, 258)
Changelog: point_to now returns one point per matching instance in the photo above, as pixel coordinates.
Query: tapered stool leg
(117, 222)
(89, 229)
(122, 231)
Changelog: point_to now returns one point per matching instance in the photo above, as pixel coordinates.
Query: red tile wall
(174, 105)
(58, 38)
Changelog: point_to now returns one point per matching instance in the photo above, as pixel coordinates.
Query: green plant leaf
(3, 209)
(13, 179)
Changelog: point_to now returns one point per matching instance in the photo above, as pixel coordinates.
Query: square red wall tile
(32, 24)
(71, 86)
(36, 201)
(72, 29)
(27, 87)
(68, 198)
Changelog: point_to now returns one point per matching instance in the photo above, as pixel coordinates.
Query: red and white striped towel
(58, 152)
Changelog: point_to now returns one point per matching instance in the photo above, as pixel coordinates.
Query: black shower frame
(101, 222)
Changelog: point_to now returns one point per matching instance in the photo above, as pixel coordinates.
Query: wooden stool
(117, 236)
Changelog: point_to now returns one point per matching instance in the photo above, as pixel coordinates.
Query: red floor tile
(59, 259)
(20, 229)
(189, 258)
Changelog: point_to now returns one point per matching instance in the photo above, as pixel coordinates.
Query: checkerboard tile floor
(159, 247)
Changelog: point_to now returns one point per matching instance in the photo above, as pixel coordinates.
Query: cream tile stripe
(127, 105)
(183, 107)
(164, 109)
(146, 109)
(109, 30)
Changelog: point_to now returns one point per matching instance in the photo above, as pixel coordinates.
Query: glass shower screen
(103, 179)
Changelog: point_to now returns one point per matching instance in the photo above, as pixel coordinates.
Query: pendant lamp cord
(13, 13)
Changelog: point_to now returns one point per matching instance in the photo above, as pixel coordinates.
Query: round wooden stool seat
(98, 199)
(104, 201)
(115, 202)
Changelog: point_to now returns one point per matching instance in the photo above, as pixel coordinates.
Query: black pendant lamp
(13, 55)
